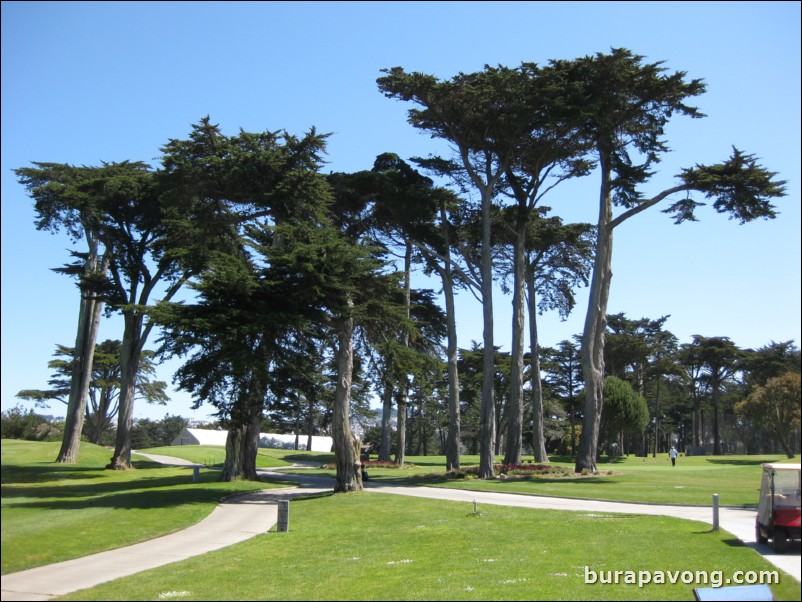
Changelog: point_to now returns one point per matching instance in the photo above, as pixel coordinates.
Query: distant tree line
(19, 423)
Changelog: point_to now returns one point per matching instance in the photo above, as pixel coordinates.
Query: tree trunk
(786, 447)
(657, 414)
(130, 352)
(98, 419)
(538, 425)
(233, 466)
(242, 443)
(346, 446)
(91, 309)
(310, 423)
(595, 326)
(515, 408)
(424, 434)
(403, 395)
(454, 435)
(716, 412)
(487, 420)
(697, 419)
(387, 410)
(454, 429)
(401, 427)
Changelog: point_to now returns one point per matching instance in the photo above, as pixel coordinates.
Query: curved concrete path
(244, 516)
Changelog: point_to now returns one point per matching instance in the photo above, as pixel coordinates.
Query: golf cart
(778, 511)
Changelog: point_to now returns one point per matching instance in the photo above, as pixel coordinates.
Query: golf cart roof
(772, 466)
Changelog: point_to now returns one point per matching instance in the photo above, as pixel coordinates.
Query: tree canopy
(300, 283)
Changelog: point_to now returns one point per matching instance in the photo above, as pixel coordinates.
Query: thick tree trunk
(424, 435)
(242, 443)
(130, 352)
(233, 466)
(454, 435)
(716, 413)
(538, 425)
(595, 326)
(515, 408)
(89, 314)
(346, 446)
(310, 423)
(403, 394)
(401, 419)
(387, 411)
(657, 424)
(784, 438)
(487, 421)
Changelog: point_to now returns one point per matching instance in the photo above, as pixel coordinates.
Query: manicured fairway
(370, 546)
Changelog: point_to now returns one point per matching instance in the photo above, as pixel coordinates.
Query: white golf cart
(778, 510)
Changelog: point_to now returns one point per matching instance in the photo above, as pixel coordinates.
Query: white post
(715, 512)
(283, 524)
(195, 474)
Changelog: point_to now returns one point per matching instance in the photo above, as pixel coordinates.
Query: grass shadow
(298, 495)
(180, 478)
(103, 486)
(734, 542)
(737, 462)
(324, 458)
(440, 480)
(614, 460)
(46, 471)
(130, 500)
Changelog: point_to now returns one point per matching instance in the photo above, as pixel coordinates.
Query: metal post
(715, 512)
(283, 516)
(195, 474)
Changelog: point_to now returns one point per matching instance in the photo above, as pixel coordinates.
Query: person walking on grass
(672, 453)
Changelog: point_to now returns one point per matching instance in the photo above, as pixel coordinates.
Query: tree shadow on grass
(47, 471)
(296, 495)
(100, 482)
(128, 500)
(141, 494)
(438, 480)
(98, 485)
(739, 461)
(44, 472)
(322, 458)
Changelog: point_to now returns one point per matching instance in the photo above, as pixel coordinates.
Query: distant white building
(190, 436)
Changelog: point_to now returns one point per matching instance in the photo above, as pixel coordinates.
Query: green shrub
(16, 423)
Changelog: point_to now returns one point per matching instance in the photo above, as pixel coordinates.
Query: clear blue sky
(85, 82)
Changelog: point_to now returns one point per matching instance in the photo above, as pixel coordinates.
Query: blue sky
(86, 82)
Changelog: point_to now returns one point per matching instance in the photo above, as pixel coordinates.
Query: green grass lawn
(212, 456)
(52, 512)
(372, 545)
(694, 480)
